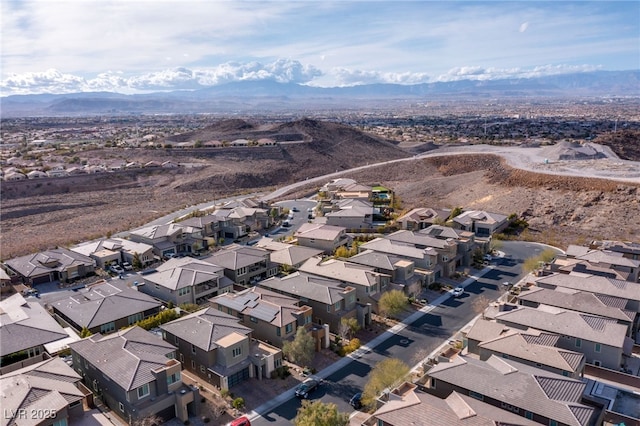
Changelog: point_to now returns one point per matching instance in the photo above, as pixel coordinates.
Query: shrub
(225, 393)
(352, 346)
(238, 403)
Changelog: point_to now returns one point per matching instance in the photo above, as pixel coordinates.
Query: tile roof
(311, 287)
(469, 216)
(111, 244)
(341, 271)
(592, 284)
(184, 272)
(529, 388)
(47, 385)
(568, 323)
(319, 231)
(294, 255)
(47, 261)
(609, 258)
(418, 239)
(397, 248)
(160, 231)
(205, 328)
(577, 301)
(277, 311)
(24, 325)
(102, 303)
(235, 257)
(126, 357)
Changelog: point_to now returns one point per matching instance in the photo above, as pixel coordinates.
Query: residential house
(25, 328)
(244, 265)
(351, 214)
(407, 405)
(605, 259)
(329, 299)
(354, 191)
(320, 236)
(104, 307)
(603, 341)
(169, 240)
(447, 250)
(601, 286)
(287, 256)
(381, 197)
(216, 347)
(368, 283)
(466, 242)
(274, 318)
(530, 392)
(335, 185)
(42, 394)
(135, 373)
(582, 301)
(185, 280)
(629, 249)
(5, 282)
(483, 224)
(209, 226)
(59, 264)
(248, 218)
(531, 347)
(421, 218)
(401, 270)
(107, 251)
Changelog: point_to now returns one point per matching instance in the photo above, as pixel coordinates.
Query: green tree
(384, 374)
(393, 302)
(136, 262)
(455, 212)
(547, 255)
(301, 349)
(85, 332)
(348, 327)
(317, 413)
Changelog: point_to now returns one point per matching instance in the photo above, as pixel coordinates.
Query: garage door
(168, 413)
(41, 280)
(238, 377)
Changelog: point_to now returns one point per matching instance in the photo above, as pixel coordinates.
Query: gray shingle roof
(342, 271)
(237, 257)
(205, 327)
(276, 311)
(103, 303)
(417, 239)
(184, 272)
(24, 325)
(593, 284)
(547, 394)
(126, 357)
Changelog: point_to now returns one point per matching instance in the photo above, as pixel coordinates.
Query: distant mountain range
(269, 96)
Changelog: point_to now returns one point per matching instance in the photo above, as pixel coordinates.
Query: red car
(241, 421)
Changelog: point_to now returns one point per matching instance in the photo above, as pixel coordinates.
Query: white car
(127, 266)
(457, 292)
(116, 269)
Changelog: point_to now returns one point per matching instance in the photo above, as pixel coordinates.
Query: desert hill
(43, 213)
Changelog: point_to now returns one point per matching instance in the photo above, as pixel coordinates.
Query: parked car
(31, 292)
(295, 209)
(356, 401)
(127, 266)
(241, 421)
(506, 284)
(286, 224)
(457, 292)
(116, 269)
(305, 388)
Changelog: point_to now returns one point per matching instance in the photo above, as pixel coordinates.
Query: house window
(432, 383)
(175, 377)
(241, 271)
(220, 308)
(476, 395)
(95, 385)
(307, 319)
(132, 319)
(288, 328)
(230, 311)
(175, 339)
(253, 319)
(143, 391)
(380, 422)
(193, 348)
(121, 406)
(598, 347)
(328, 308)
(108, 327)
(578, 342)
(182, 358)
(193, 365)
(202, 369)
(510, 407)
(337, 305)
(61, 422)
(528, 415)
(278, 363)
(184, 290)
(553, 423)
(236, 352)
(565, 373)
(278, 332)
(597, 363)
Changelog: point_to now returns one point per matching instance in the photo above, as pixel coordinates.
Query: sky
(138, 46)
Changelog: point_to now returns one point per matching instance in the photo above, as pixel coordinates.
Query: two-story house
(244, 265)
(350, 214)
(329, 299)
(530, 392)
(185, 280)
(171, 239)
(25, 328)
(401, 270)
(602, 340)
(59, 264)
(484, 224)
(582, 259)
(447, 249)
(46, 393)
(321, 236)
(368, 283)
(274, 318)
(423, 217)
(287, 256)
(104, 307)
(465, 240)
(136, 374)
(216, 347)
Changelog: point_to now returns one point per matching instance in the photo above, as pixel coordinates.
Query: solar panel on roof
(264, 312)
